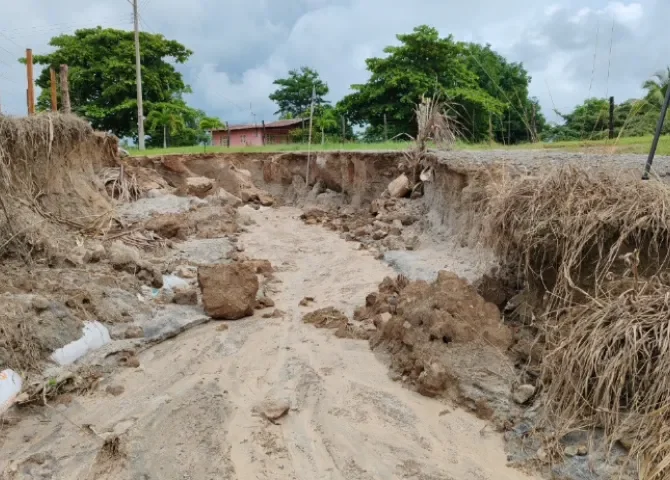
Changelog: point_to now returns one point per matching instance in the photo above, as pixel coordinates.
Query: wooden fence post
(65, 90)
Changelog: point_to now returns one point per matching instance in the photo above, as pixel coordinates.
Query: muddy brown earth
(191, 407)
(176, 395)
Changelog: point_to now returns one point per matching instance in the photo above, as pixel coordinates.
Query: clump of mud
(442, 337)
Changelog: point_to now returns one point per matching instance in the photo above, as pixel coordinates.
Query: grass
(638, 145)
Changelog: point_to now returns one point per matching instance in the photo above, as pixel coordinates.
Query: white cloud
(241, 46)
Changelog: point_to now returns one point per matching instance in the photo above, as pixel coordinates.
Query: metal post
(138, 74)
(657, 135)
(263, 126)
(228, 132)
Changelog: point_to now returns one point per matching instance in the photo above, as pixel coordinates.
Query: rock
(306, 301)
(370, 299)
(582, 450)
(396, 228)
(432, 381)
(133, 332)
(363, 231)
(571, 451)
(379, 234)
(273, 409)
(399, 187)
(261, 266)
(147, 273)
(185, 296)
(198, 186)
(412, 243)
(542, 455)
(130, 361)
(523, 393)
(40, 303)
(223, 197)
(186, 271)
(115, 390)
(121, 255)
(222, 328)
(264, 302)
(94, 254)
(228, 291)
(381, 320)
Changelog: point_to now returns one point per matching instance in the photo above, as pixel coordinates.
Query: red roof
(250, 126)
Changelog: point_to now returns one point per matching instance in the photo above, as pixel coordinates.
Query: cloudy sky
(571, 48)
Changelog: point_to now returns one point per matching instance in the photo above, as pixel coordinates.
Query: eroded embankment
(573, 238)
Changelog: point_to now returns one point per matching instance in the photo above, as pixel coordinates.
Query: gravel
(534, 159)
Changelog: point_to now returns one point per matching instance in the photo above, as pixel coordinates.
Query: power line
(609, 63)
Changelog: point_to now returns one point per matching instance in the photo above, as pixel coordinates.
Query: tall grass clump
(594, 246)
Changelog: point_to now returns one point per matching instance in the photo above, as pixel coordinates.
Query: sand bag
(10, 387)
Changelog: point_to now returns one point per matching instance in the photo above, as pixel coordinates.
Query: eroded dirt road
(188, 411)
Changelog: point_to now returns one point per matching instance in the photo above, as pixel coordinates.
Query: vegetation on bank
(637, 145)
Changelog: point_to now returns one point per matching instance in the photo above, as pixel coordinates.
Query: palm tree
(657, 87)
(327, 120)
(167, 116)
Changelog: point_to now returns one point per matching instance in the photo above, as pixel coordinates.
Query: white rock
(523, 393)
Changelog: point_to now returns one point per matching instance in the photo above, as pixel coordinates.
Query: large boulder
(399, 187)
(199, 186)
(228, 291)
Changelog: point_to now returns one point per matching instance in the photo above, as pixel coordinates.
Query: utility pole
(31, 85)
(657, 135)
(54, 97)
(65, 90)
(138, 71)
(309, 141)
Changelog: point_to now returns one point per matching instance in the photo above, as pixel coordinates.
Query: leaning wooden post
(31, 83)
(54, 96)
(65, 90)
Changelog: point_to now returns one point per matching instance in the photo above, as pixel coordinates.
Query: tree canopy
(294, 95)
(480, 85)
(102, 75)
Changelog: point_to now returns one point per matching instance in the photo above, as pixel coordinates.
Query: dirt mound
(228, 291)
(443, 338)
(48, 181)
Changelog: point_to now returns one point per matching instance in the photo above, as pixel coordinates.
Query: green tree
(102, 75)
(507, 82)
(657, 87)
(327, 122)
(423, 64)
(211, 123)
(168, 117)
(294, 95)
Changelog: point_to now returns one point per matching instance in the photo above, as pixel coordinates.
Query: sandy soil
(189, 410)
